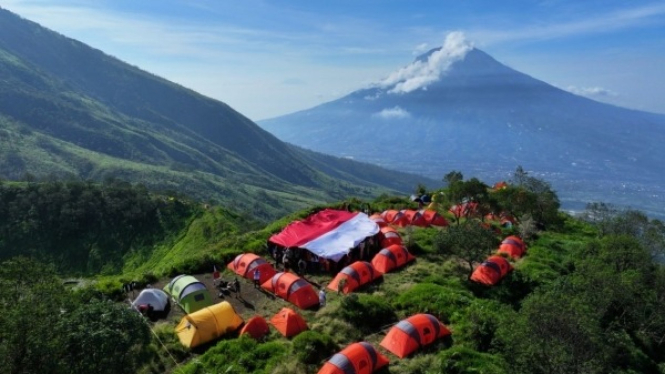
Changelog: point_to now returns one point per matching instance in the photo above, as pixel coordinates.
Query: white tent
(155, 297)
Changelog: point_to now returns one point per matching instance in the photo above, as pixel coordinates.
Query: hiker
(302, 266)
(236, 286)
(322, 297)
(286, 258)
(257, 278)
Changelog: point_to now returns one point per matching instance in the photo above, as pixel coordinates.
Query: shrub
(476, 325)
(311, 347)
(462, 360)
(366, 312)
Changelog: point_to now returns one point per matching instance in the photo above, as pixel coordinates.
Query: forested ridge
(587, 297)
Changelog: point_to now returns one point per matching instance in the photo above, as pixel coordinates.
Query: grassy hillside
(71, 111)
(587, 297)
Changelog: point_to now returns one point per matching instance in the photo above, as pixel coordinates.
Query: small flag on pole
(215, 272)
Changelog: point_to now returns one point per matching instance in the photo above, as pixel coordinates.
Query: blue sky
(267, 58)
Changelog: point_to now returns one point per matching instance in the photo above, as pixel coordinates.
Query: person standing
(257, 278)
(322, 297)
(236, 286)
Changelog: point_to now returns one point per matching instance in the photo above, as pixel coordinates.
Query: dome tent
(356, 275)
(491, 271)
(288, 322)
(158, 299)
(256, 327)
(413, 333)
(246, 263)
(357, 358)
(207, 324)
(190, 294)
(513, 246)
(293, 289)
(391, 257)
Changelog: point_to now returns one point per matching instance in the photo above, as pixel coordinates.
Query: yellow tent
(207, 324)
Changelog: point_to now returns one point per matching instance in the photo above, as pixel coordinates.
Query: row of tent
(220, 319)
(408, 217)
(495, 267)
(403, 339)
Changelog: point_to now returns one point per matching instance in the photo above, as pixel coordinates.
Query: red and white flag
(215, 272)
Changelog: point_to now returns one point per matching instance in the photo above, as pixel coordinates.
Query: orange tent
(391, 257)
(413, 333)
(395, 217)
(357, 358)
(293, 289)
(500, 186)
(415, 218)
(389, 236)
(256, 327)
(244, 265)
(288, 322)
(433, 218)
(491, 271)
(378, 218)
(356, 275)
(513, 246)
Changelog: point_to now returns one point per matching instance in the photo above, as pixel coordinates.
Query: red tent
(356, 275)
(293, 289)
(433, 218)
(500, 186)
(413, 333)
(288, 322)
(357, 358)
(256, 327)
(395, 217)
(378, 218)
(391, 257)
(389, 236)
(491, 271)
(244, 265)
(513, 246)
(414, 218)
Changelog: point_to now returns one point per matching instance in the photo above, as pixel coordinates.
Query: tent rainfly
(246, 263)
(491, 271)
(207, 324)
(288, 322)
(389, 236)
(293, 289)
(513, 246)
(256, 327)
(357, 358)
(158, 299)
(413, 333)
(356, 275)
(190, 294)
(392, 257)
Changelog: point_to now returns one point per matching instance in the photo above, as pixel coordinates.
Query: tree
(469, 241)
(453, 177)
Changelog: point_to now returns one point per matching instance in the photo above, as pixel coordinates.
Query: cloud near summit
(421, 73)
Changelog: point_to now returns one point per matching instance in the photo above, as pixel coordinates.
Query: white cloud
(420, 74)
(591, 91)
(420, 49)
(392, 113)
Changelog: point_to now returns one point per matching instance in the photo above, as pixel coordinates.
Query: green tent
(189, 293)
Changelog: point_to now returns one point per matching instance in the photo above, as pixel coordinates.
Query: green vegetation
(587, 298)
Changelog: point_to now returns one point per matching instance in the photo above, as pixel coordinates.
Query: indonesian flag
(329, 233)
(215, 272)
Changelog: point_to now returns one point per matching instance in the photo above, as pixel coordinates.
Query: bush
(475, 326)
(366, 312)
(311, 347)
(462, 360)
(430, 298)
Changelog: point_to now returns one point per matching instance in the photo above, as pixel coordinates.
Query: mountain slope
(484, 118)
(68, 109)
